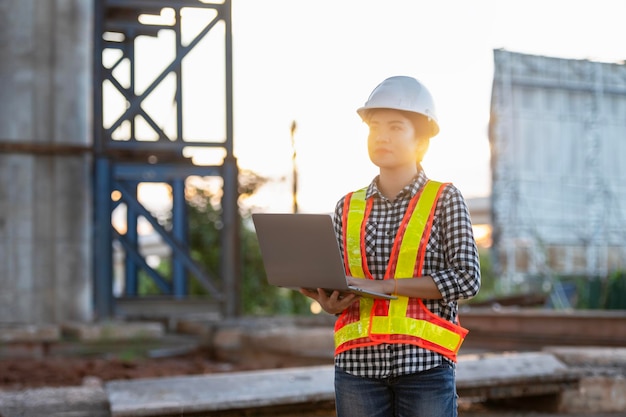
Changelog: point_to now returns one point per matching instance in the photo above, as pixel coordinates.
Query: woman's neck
(391, 182)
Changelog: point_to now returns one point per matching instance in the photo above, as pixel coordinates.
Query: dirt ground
(24, 373)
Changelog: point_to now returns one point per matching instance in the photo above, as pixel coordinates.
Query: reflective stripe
(412, 236)
(410, 326)
(357, 329)
(414, 231)
(353, 244)
(352, 248)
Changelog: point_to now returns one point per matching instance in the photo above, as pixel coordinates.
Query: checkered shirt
(451, 259)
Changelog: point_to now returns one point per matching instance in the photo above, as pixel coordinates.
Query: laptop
(301, 251)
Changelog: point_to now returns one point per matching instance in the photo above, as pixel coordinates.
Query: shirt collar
(411, 189)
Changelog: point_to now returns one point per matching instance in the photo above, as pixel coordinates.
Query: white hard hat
(402, 93)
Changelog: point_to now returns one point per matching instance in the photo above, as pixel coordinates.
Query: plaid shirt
(451, 260)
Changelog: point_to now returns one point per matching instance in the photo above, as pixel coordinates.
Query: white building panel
(558, 140)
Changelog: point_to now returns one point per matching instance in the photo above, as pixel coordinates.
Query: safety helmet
(402, 93)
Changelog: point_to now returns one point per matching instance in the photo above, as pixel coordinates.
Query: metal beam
(132, 161)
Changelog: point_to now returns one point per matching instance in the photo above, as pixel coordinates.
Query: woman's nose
(382, 137)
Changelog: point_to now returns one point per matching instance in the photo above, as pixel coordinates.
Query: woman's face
(391, 142)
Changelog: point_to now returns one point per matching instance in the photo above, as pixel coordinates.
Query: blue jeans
(431, 393)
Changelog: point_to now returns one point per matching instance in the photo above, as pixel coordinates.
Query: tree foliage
(205, 226)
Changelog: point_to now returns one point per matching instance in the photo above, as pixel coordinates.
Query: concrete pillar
(45, 166)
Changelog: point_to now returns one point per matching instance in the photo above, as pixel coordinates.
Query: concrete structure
(557, 374)
(557, 137)
(61, 175)
(45, 178)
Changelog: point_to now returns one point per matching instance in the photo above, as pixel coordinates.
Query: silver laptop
(301, 251)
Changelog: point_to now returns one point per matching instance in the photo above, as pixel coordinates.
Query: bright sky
(315, 62)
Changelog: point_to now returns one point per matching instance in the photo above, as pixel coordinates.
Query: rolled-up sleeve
(452, 258)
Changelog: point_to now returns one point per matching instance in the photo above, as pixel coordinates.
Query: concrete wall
(557, 138)
(45, 184)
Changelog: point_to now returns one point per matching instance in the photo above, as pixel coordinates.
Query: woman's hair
(421, 125)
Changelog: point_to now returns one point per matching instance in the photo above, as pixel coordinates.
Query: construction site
(79, 335)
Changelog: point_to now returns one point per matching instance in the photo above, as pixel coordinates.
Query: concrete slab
(267, 342)
(27, 340)
(493, 369)
(590, 356)
(77, 338)
(240, 390)
(113, 330)
(258, 389)
(29, 333)
(512, 375)
(602, 387)
(55, 402)
(596, 393)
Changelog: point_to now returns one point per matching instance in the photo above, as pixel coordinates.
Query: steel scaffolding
(124, 158)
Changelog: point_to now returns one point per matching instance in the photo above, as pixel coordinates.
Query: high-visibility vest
(405, 320)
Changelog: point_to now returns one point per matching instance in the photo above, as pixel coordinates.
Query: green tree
(257, 296)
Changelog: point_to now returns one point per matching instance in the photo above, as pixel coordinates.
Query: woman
(411, 237)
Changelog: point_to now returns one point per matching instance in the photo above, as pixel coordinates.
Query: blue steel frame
(122, 165)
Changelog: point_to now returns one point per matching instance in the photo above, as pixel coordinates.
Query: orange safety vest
(405, 320)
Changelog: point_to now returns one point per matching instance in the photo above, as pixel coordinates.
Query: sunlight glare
(482, 234)
(316, 308)
(166, 18)
(204, 156)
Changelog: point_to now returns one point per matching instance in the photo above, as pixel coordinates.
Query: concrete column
(45, 166)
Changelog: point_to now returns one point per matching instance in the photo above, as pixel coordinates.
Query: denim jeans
(431, 393)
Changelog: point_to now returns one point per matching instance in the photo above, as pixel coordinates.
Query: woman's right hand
(334, 303)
